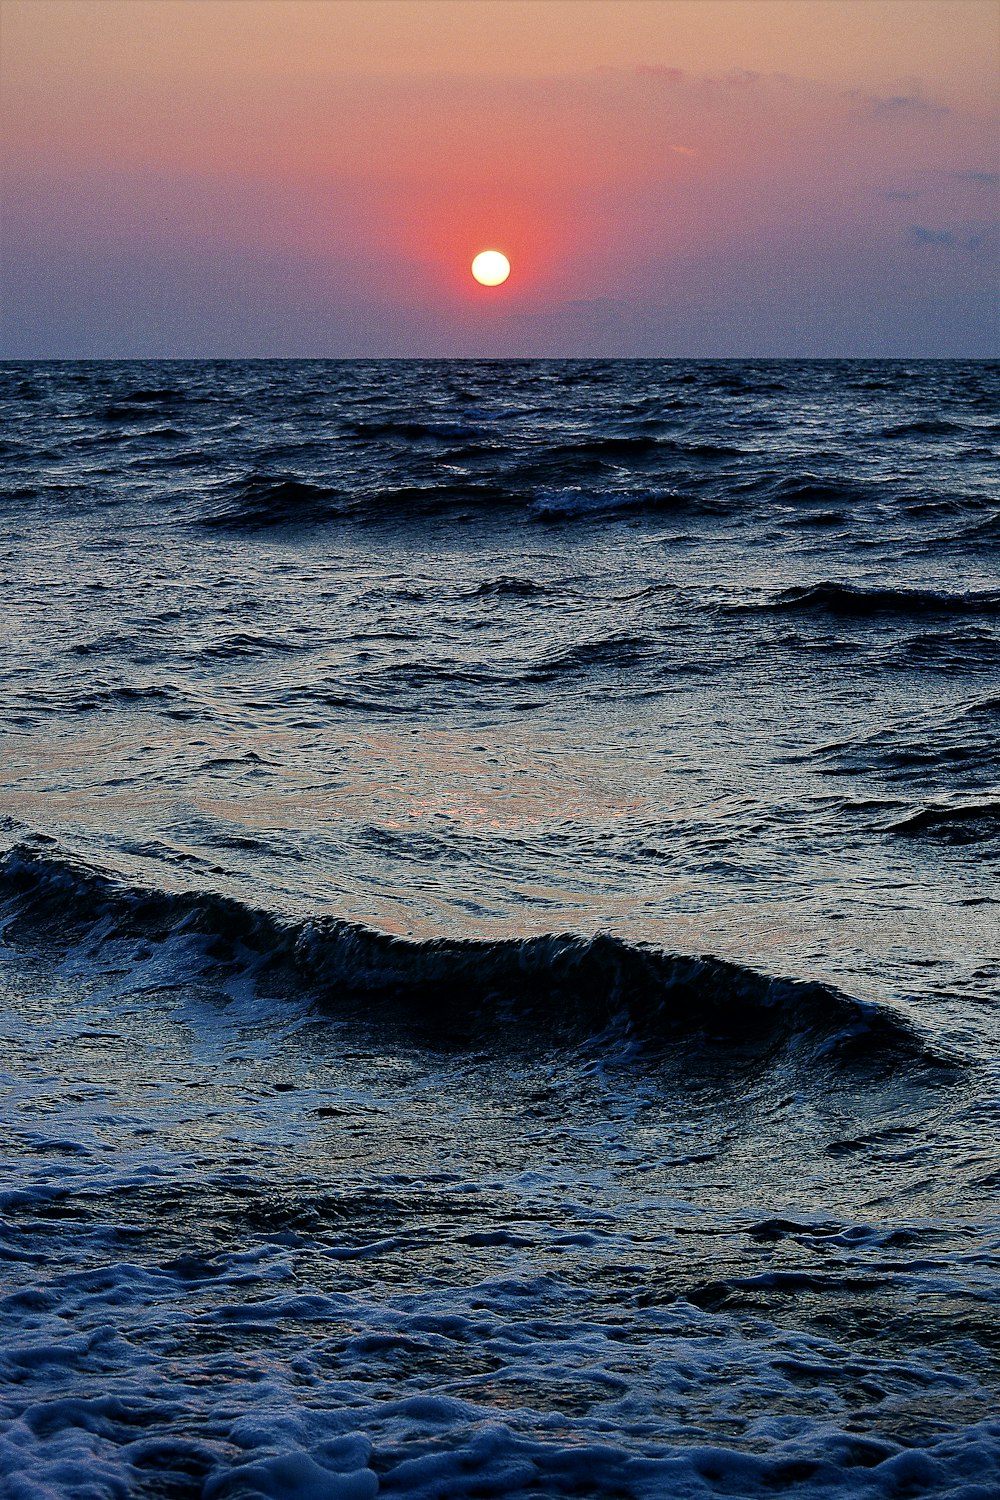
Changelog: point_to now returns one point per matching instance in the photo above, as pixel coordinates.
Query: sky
(714, 178)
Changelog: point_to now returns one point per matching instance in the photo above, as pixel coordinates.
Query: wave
(924, 427)
(556, 984)
(87, 700)
(955, 502)
(810, 489)
(551, 485)
(135, 406)
(984, 711)
(414, 431)
(750, 383)
(439, 498)
(613, 446)
(818, 518)
(614, 651)
(153, 396)
(437, 681)
(971, 823)
(860, 602)
(961, 748)
(263, 500)
(987, 530)
(244, 643)
(609, 457)
(966, 648)
(508, 586)
(575, 503)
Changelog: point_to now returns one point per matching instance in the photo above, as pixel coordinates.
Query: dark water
(501, 951)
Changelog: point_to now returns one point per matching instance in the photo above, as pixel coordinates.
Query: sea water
(500, 948)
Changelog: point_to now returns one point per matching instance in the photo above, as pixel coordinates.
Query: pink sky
(676, 177)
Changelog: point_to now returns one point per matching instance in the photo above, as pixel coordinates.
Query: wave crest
(861, 602)
(559, 984)
(263, 500)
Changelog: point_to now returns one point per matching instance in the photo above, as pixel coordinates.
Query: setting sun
(490, 268)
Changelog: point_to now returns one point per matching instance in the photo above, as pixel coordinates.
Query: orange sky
(354, 154)
(949, 44)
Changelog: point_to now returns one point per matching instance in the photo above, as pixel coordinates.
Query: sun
(490, 268)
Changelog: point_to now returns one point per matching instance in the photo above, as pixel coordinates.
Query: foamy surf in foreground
(499, 952)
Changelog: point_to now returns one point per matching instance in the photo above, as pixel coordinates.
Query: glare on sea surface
(490, 267)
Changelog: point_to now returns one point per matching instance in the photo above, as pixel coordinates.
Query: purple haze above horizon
(685, 178)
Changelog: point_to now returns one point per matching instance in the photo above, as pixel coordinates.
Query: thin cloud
(895, 106)
(740, 78)
(657, 70)
(919, 235)
(974, 179)
(972, 239)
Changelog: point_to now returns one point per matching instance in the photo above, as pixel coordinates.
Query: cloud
(918, 235)
(936, 181)
(974, 179)
(656, 70)
(738, 213)
(973, 239)
(895, 106)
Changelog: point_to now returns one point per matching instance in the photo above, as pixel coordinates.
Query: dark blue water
(501, 953)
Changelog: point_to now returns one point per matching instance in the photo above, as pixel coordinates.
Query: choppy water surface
(501, 950)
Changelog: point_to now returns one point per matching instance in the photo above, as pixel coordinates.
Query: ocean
(499, 944)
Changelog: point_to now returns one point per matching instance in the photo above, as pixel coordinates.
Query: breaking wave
(556, 983)
(968, 823)
(861, 602)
